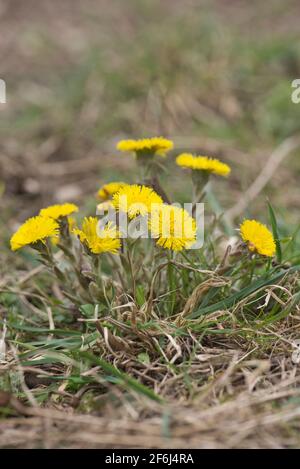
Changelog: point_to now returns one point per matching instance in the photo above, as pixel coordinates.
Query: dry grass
(227, 381)
(244, 403)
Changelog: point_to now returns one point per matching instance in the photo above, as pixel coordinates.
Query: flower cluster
(172, 227)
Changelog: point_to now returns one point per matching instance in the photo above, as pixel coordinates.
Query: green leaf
(88, 310)
(275, 232)
(144, 358)
(42, 330)
(172, 287)
(140, 295)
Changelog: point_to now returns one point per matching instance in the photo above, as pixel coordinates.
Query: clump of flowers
(168, 264)
(258, 238)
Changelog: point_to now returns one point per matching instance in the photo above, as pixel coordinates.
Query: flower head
(34, 230)
(58, 211)
(174, 227)
(110, 189)
(154, 145)
(97, 239)
(136, 200)
(203, 163)
(258, 237)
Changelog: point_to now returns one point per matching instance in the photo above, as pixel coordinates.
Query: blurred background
(215, 76)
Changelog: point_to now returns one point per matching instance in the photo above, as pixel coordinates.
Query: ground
(215, 77)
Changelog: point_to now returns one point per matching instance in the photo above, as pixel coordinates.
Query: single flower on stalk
(145, 150)
(58, 211)
(34, 231)
(136, 200)
(201, 168)
(98, 240)
(203, 163)
(146, 146)
(258, 238)
(173, 227)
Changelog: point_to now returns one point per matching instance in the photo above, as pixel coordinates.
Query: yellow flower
(154, 145)
(96, 239)
(109, 189)
(203, 163)
(258, 237)
(174, 227)
(136, 200)
(34, 230)
(58, 211)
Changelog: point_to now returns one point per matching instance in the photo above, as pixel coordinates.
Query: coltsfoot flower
(34, 230)
(106, 191)
(258, 238)
(136, 200)
(203, 163)
(98, 240)
(58, 211)
(173, 227)
(154, 145)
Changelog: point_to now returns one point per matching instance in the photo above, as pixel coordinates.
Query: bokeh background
(215, 76)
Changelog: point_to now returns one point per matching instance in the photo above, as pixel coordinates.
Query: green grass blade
(121, 376)
(232, 300)
(275, 232)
